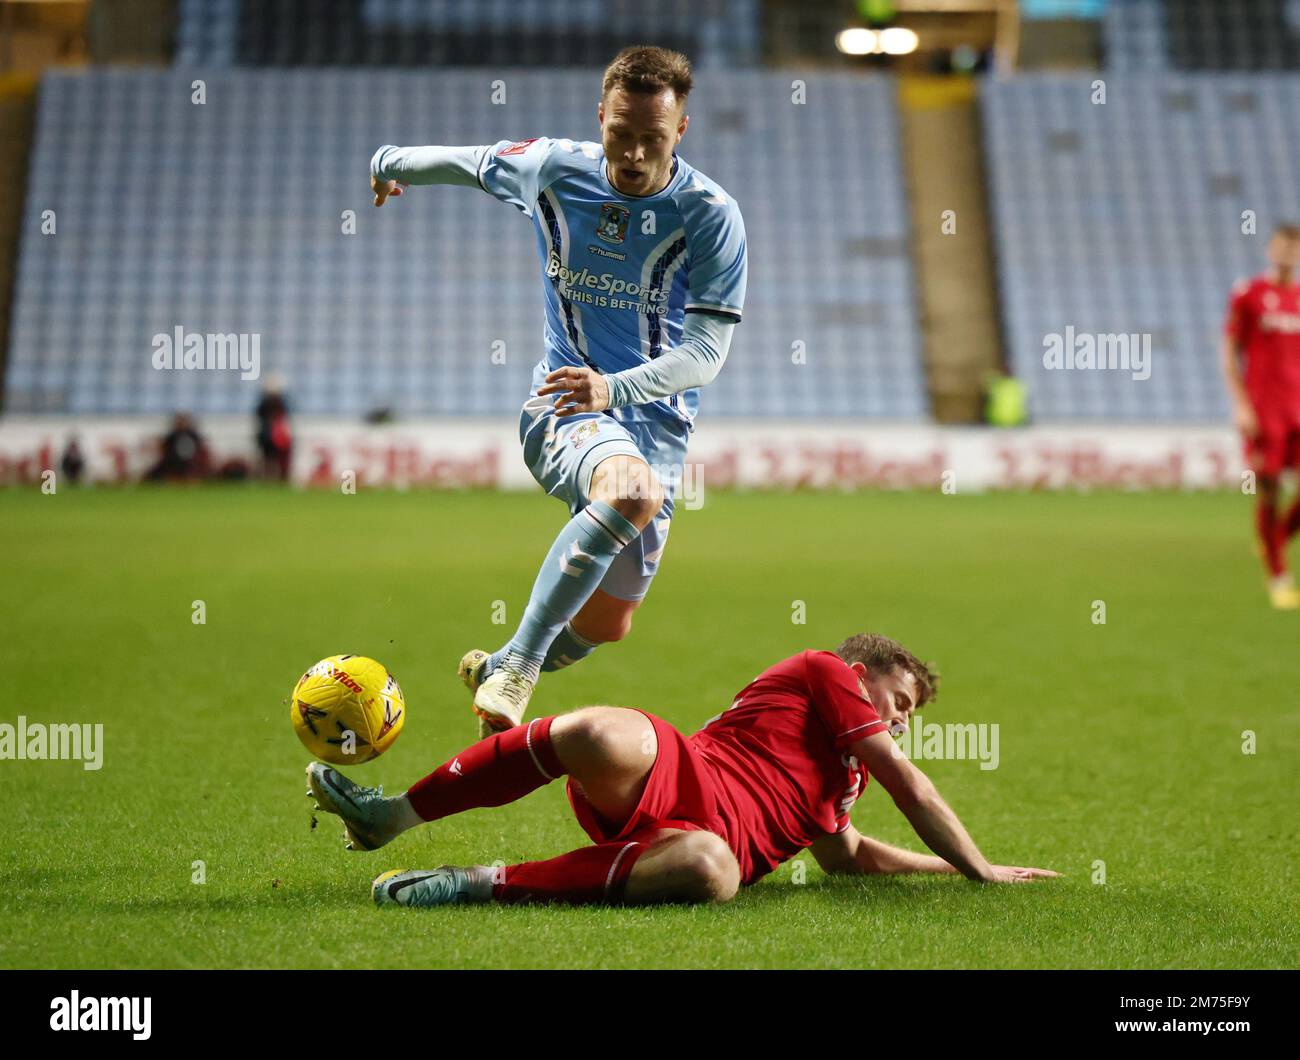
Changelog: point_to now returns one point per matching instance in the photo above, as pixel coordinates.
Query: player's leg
(1270, 532)
(603, 618)
(1266, 528)
(684, 867)
(1267, 454)
(493, 772)
(668, 865)
(609, 754)
(627, 500)
(607, 614)
(609, 751)
(1291, 522)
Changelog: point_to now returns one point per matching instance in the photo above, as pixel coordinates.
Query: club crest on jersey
(584, 434)
(612, 226)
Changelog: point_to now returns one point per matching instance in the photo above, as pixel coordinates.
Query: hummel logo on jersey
(455, 767)
(574, 562)
(712, 200)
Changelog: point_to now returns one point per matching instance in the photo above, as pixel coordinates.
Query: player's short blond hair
(646, 70)
(881, 655)
(1287, 230)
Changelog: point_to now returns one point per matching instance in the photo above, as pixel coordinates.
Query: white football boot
(501, 700)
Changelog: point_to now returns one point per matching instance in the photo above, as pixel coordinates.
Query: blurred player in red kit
(690, 819)
(1263, 330)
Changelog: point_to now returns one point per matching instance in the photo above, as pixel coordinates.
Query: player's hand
(385, 189)
(1247, 421)
(579, 390)
(1018, 874)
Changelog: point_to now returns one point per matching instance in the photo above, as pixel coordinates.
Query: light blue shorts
(562, 454)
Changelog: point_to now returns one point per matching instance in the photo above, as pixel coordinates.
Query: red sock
(1292, 526)
(581, 877)
(1270, 533)
(492, 772)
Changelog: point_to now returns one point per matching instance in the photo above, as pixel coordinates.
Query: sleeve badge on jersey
(612, 226)
(518, 147)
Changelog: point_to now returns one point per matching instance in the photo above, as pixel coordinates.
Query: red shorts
(1275, 447)
(679, 793)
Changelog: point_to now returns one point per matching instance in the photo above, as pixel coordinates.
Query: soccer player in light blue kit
(644, 266)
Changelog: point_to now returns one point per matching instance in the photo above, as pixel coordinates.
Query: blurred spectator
(1006, 401)
(274, 438)
(73, 463)
(184, 453)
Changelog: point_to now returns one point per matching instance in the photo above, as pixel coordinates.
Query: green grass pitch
(1120, 742)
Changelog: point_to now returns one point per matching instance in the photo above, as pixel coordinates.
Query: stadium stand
(1133, 32)
(1243, 35)
(1191, 35)
(404, 313)
(1127, 217)
(461, 32)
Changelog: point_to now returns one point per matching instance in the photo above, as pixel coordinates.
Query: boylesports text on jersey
(603, 288)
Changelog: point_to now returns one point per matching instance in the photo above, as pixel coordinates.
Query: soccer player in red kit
(1263, 327)
(693, 819)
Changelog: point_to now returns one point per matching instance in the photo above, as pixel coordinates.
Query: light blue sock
(567, 648)
(570, 573)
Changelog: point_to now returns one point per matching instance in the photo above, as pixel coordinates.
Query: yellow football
(347, 709)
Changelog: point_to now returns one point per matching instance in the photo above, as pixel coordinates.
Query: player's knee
(709, 871)
(639, 496)
(603, 735)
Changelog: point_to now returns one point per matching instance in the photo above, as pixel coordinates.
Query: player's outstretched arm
(850, 852)
(920, 802)
(393, 168)
(853, 853)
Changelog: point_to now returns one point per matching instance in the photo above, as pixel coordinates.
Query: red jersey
(781, 762)
(1264, 317)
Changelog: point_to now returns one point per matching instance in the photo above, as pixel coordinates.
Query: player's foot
(368, 818)
(445, 885)
(501, 700)
(1282, 593)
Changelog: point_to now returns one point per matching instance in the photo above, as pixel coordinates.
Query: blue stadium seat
(227, 217)
(1127, 217)
(424, 33)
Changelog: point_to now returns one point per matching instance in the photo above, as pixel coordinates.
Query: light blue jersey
(621, 271)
